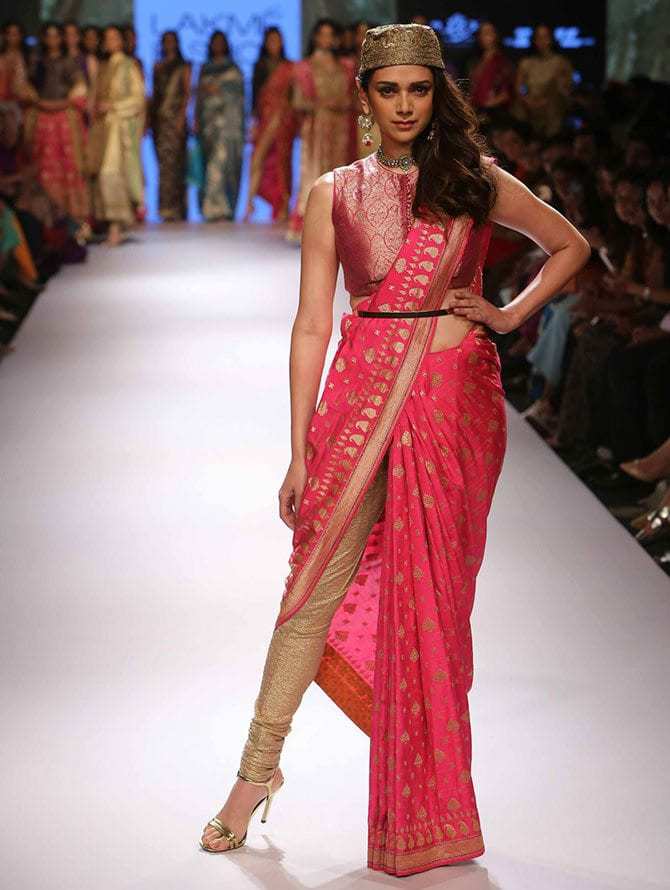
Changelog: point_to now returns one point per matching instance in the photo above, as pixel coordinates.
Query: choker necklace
(404, 162)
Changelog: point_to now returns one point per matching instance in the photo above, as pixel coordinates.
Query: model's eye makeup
(421, 89)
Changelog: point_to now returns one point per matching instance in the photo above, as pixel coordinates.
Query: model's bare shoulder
(324, 185)
(318, 223)
(328, 177)
(320, 199)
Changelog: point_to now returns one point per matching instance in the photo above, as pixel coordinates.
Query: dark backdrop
(582, 25)
(25, 11)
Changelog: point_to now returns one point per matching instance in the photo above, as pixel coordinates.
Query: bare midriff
(449, 330)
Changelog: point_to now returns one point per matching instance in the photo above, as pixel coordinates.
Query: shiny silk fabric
(372, 216)
(398, 657)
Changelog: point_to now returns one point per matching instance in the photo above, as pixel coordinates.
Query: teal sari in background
(220, 119)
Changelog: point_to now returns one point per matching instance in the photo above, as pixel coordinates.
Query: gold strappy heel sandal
(227, 833)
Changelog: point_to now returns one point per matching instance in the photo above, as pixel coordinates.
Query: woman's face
(325, 38)
(488, 36)
(273, 44)
(53, 40)
(72, 37)
(542, 39)
(113, 41)
(628, 203)
(13, 37)
(658, 204)
(218, 47)
(400, 98)
(169, 44)
(91, 40)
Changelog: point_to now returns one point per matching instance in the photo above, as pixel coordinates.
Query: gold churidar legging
(297, 645)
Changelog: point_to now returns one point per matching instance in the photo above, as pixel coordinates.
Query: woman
(73, 46)
(90, 44)
(543, 85)
(13, 81)
(13, 70)
(409, 435)
(270, 57)
(54, 124)
(323, 94)
(491, 75)
(169, 103)
(275, 128)
(91, 39)
(82, 47)
(220, 125)
(113, 158)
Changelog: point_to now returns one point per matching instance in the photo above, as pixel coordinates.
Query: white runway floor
(144, 434)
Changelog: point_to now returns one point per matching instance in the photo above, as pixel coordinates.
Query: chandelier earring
(432, 132)
(365, 122)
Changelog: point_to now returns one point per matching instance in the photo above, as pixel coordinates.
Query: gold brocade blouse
(372, 215)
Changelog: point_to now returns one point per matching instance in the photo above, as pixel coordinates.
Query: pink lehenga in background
(398, 659)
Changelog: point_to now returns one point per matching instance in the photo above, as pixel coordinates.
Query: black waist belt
(418, 312)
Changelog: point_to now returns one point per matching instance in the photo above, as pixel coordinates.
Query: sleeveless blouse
(372, 215)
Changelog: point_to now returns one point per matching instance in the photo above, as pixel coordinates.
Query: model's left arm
(517, 208)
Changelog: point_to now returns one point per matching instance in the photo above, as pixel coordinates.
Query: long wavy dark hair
(453, 178)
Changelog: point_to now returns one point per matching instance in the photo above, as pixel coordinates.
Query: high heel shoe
(229, 834)
(657, 527)
(638, 522)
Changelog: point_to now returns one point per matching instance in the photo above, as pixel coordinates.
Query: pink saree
(277, 128)
(398, 659)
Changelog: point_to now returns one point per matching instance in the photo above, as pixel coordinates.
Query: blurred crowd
(590, 370)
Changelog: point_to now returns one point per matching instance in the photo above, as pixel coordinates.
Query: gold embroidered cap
(400, 45)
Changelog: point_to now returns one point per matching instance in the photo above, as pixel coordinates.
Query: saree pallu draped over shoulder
(398, 657)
